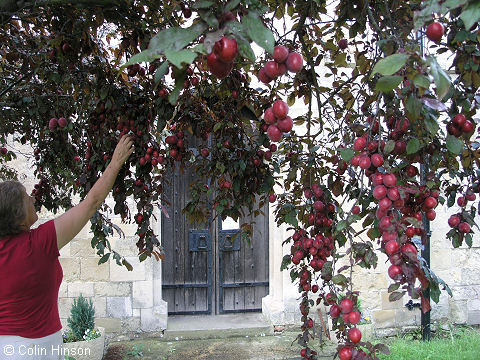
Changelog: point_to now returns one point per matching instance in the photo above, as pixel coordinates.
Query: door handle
(228, 243)
(202, 242)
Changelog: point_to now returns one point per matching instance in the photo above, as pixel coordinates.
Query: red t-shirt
(30, 276)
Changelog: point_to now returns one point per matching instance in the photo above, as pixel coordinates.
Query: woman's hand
(122, 151)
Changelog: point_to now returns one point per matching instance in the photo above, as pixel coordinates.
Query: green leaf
(341, 225)
(421, 81)
(179, 84)
(293, 275)
(231, 5)
(287, 260)
(209, 17)
(454, 145)
(389, 146)
(390, 65)
(217, 126)
(413, 107)
(396, 295)
(245, 50)
(431, 125)
(175, 38)
(470, 14)
(413, 146)
(339, 279)
(258, 32)
(441, 78)
(178, 58)
(434, 291)
(291, 218)
(388, 83)
(237, 28)
(144, 56)
(161, 71)
(393, 287)
(220, 167)
(468, 240)
(203, 4)
(346, 154)
(104, 258)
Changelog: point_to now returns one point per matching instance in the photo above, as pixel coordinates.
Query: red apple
(345, 353)
(62, 122)
(263, 77)
(393, 194)
(285, 125)
(282, 69)
(379, 192)
(430, 202)
(52, 124)
(226, 49)
(431, 214)
(378, 179)
(409, 248)
(392, 247)
(272, 198)
(205, 152)
(274, 133)
(217, 67)
(410, 232)
(464, 227)
(355, 335)
(342, 44)
(355, 210)
(359, 143)
(335, 311)
(346, 305)
(280, 54)
(385, 204)
(171, 139)
(364, 162)
(280, 109)
(269, 117)
(395, 272)
(389, 180)
(271, 69)
(468, 127)
(354, 317)
(377, 160)
(294, 62)
(388, 236)
(435, 31)
(459, 120)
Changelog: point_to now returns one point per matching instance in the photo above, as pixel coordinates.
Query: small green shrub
(82, 317)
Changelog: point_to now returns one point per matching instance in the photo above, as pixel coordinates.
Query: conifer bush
(82, 317)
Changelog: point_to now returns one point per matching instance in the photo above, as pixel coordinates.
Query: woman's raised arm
(72, 221)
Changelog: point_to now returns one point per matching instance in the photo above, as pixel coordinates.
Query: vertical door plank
(250, 265)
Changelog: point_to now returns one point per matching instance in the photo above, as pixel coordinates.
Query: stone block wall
(125, 301)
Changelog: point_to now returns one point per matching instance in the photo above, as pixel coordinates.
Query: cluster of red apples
(459, 125)
(283, 60)
(277, 120)
(347, 312)
(457, 221)
(54, 123)
(177, 147)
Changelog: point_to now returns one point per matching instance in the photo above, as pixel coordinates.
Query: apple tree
(386, 131)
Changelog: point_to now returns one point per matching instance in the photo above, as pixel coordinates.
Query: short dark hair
(12, 208)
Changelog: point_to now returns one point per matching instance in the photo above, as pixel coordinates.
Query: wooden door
(204, 271)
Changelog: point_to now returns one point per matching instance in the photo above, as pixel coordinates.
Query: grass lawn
(461, 344)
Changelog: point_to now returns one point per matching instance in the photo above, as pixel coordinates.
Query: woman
(30, 273)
